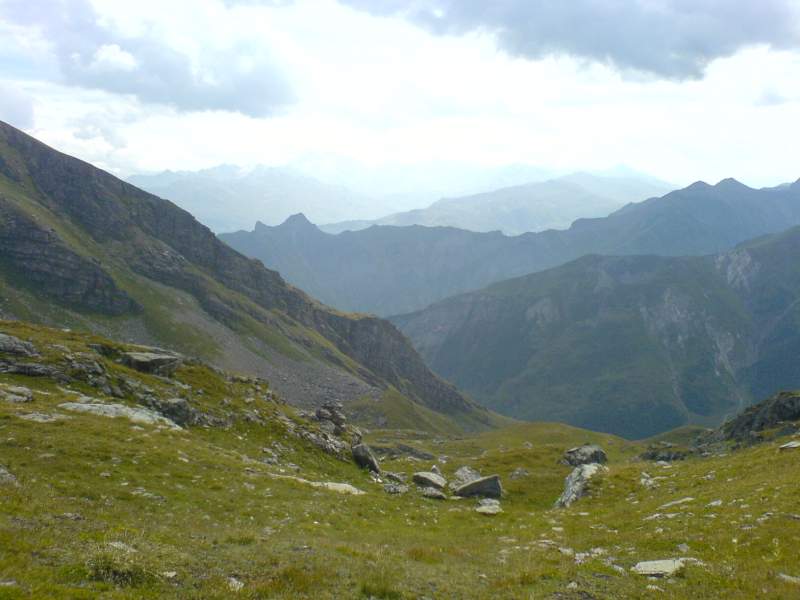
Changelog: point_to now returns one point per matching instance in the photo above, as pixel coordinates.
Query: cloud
(670, 39)
(239, 78)
(16, 107)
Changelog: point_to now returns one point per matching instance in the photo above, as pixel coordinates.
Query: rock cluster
(12, 345)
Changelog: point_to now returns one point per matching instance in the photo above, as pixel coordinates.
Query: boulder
(576, 484)
(432, 492)
(464, 475)
(396, 477)
(488, 506)
(365, 458)
(157, 363)
(426, 479)
(584, 455)
(659, 568)
(11, 345)
(487, 487)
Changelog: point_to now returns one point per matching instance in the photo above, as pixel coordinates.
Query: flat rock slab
(141, 416)
(428, 479)
(659, 568)
(488, 487)
(339, 488)
(790, 446)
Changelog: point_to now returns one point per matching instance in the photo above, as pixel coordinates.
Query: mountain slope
(390, 270)
(631, 345)
(227, 198)
(551, 204)
(82, 248)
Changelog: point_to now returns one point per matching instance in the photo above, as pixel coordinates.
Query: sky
(680, 89)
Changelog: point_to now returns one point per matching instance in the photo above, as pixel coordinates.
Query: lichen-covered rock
(395, 488)
(487, 487)
(16, 394)
(464, 475)
(576, 485)
(584, 455)
(365, 458)
(489, 506)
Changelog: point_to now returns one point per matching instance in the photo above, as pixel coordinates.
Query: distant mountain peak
(298, 222)
(730, 183)
(698, 185)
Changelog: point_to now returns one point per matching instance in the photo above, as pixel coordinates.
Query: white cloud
(110, 57)
(382, 90)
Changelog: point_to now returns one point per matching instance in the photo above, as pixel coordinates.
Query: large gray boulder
(12, 345)
(576, 484)
(365, 459)
(426, 479)
(585, 455)
(485, 487)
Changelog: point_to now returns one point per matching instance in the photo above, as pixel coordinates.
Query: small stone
(235, 585)
(6, 477)
(793, 445)
(519, 473)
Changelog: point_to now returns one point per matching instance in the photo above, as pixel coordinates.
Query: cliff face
(630, 345)
(76, 232)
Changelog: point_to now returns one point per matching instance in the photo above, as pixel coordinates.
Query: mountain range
(551, 204)
(227, 197)
(389, 270)
(81, 248)
(633, 345)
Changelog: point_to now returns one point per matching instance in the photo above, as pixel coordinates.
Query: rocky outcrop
(584, 455)
(576, 486)
(140, 416)
(486, 487)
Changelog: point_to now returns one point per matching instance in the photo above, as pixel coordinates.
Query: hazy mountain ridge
(83, 248)
(632, 345)
(537, 206)
(227, 197)
(390, 270)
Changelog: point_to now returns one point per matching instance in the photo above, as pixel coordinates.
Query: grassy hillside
(106, 507)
